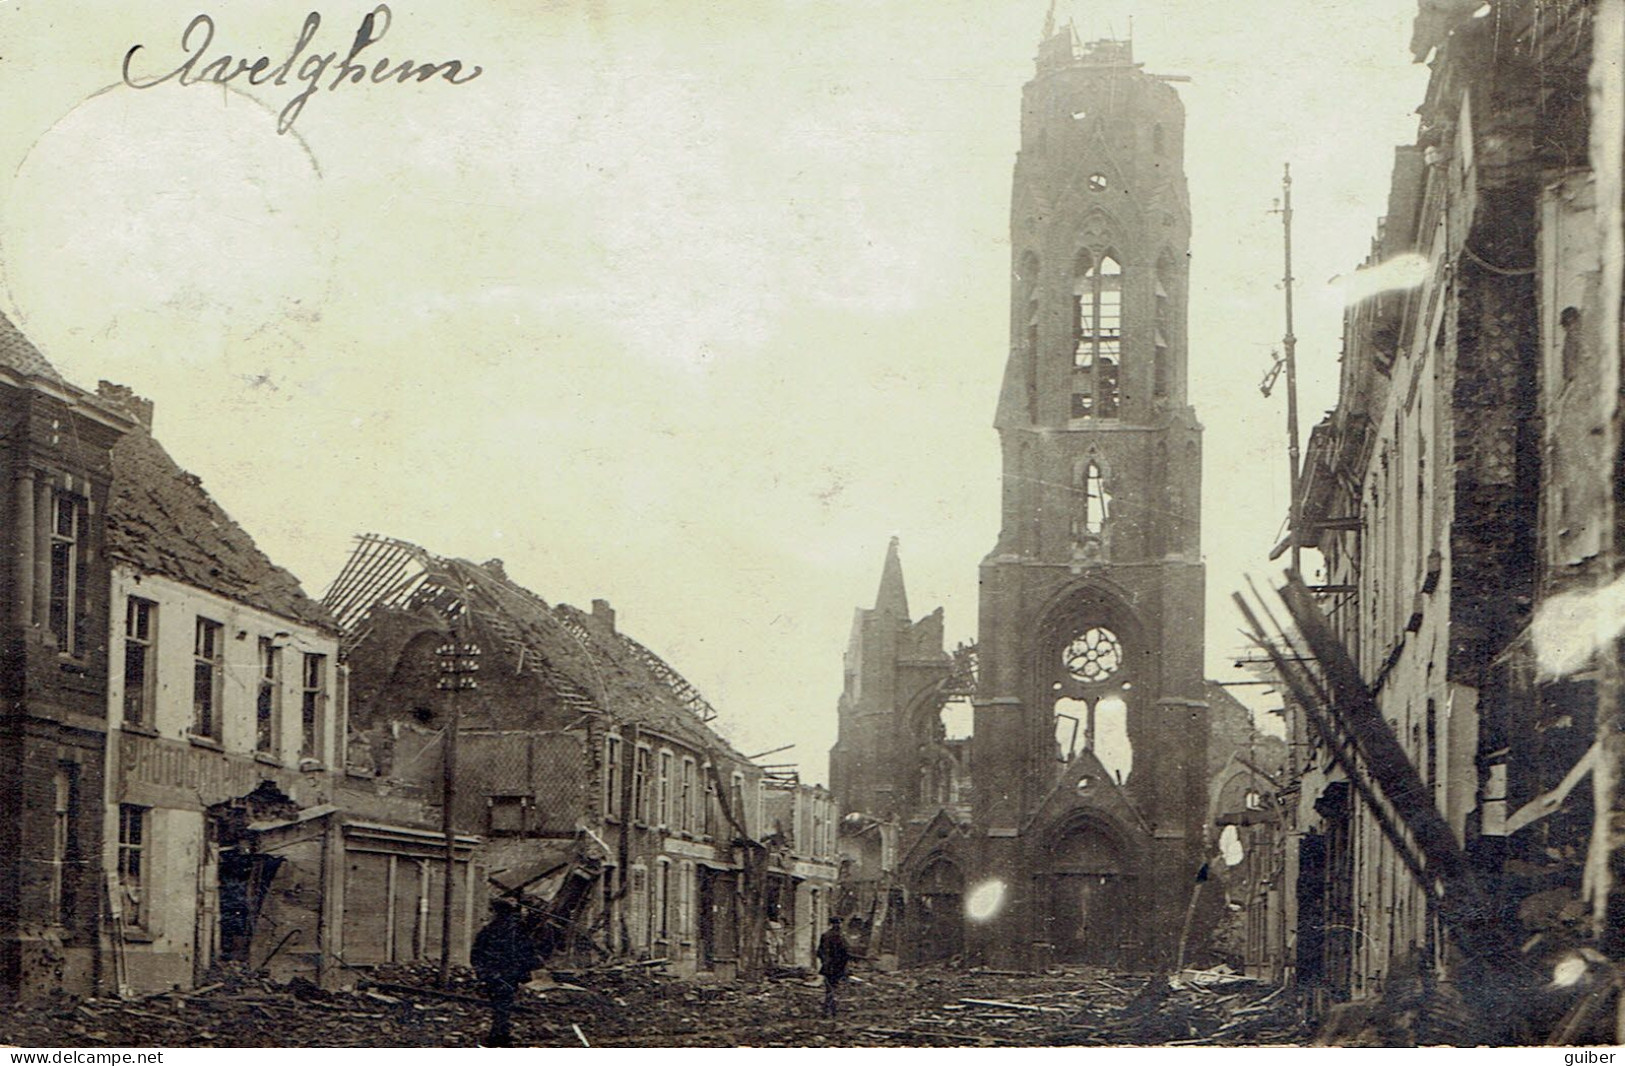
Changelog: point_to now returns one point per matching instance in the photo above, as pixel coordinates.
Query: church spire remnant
(893, 597)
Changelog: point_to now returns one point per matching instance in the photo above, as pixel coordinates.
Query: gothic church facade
(1081, 813)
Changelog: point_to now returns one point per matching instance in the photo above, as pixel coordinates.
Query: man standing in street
(503, 957)
(833, 957)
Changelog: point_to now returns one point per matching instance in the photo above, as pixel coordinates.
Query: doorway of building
(937, 912)
(1089, 917)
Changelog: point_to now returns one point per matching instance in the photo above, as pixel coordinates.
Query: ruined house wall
(177, 608)
(54, 444)
(1436, 447)
(319, 908)
(166, 776)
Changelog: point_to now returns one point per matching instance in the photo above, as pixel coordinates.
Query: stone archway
(1088, 891)
(936, 911)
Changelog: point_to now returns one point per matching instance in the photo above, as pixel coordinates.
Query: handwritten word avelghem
(312, 71)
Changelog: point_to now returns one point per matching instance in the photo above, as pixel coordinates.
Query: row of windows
(815, 825)
(664, 904)
(208, 676)
(676, 793)
(665, 791)
(67, 614)
(68, 861)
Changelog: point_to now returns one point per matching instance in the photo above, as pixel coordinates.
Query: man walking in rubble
(503, 956)
(833, 957)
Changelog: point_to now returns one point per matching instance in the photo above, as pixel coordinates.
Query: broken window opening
(712, 813)
(132, 836)
(207, 648)
(957, 720)
(662, 901)
(507, 815)
(612, 776)
(67, 591)
(737, 797)
(269, 699)
(663, 790)
(685, 901)
(640, 785)
(639, 905)
(690, 786)
(64, 843)
(1096, 500)
(1109, 737)
(312, 699)
(1097, 318)
(1071, 728)
(1164, 329)
(1027, 303)
(139, 675)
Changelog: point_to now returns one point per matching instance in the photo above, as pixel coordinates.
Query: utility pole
(459, 662)
(1289, 344)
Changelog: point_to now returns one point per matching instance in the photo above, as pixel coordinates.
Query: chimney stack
(138, 407)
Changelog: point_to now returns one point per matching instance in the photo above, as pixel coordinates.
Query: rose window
(1094, 655)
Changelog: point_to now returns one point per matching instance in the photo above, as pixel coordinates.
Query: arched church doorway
(937, 912)
(1089, 890)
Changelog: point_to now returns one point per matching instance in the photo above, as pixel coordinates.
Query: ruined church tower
(1090, 724)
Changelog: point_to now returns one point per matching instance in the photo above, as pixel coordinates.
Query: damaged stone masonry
(1073, 823)
(1060, 833)
(1449, 863)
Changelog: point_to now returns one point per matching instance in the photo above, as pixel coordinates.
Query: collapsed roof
(588, 664)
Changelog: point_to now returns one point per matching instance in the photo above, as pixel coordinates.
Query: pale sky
(689, 306)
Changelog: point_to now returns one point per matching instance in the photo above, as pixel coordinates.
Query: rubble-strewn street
(628, 1006)
(620, 409)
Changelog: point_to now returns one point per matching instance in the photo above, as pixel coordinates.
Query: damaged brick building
(1455, 730)
(191, 789)
(174, 736)
(1077, 811)
(582, 748)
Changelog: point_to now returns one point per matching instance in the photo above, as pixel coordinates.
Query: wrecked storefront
(233, 834)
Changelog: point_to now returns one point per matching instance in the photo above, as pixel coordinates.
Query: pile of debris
(637, 1005)
(1099, 1008)
(250, 1012)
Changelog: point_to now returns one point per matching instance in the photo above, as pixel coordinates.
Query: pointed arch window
(1097, 326)
(1096, 500)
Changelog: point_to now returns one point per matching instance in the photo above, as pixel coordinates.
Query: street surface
(629, 1007)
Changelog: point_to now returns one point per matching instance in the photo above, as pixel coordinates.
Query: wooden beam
(1462, 903)
(1552, 801)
